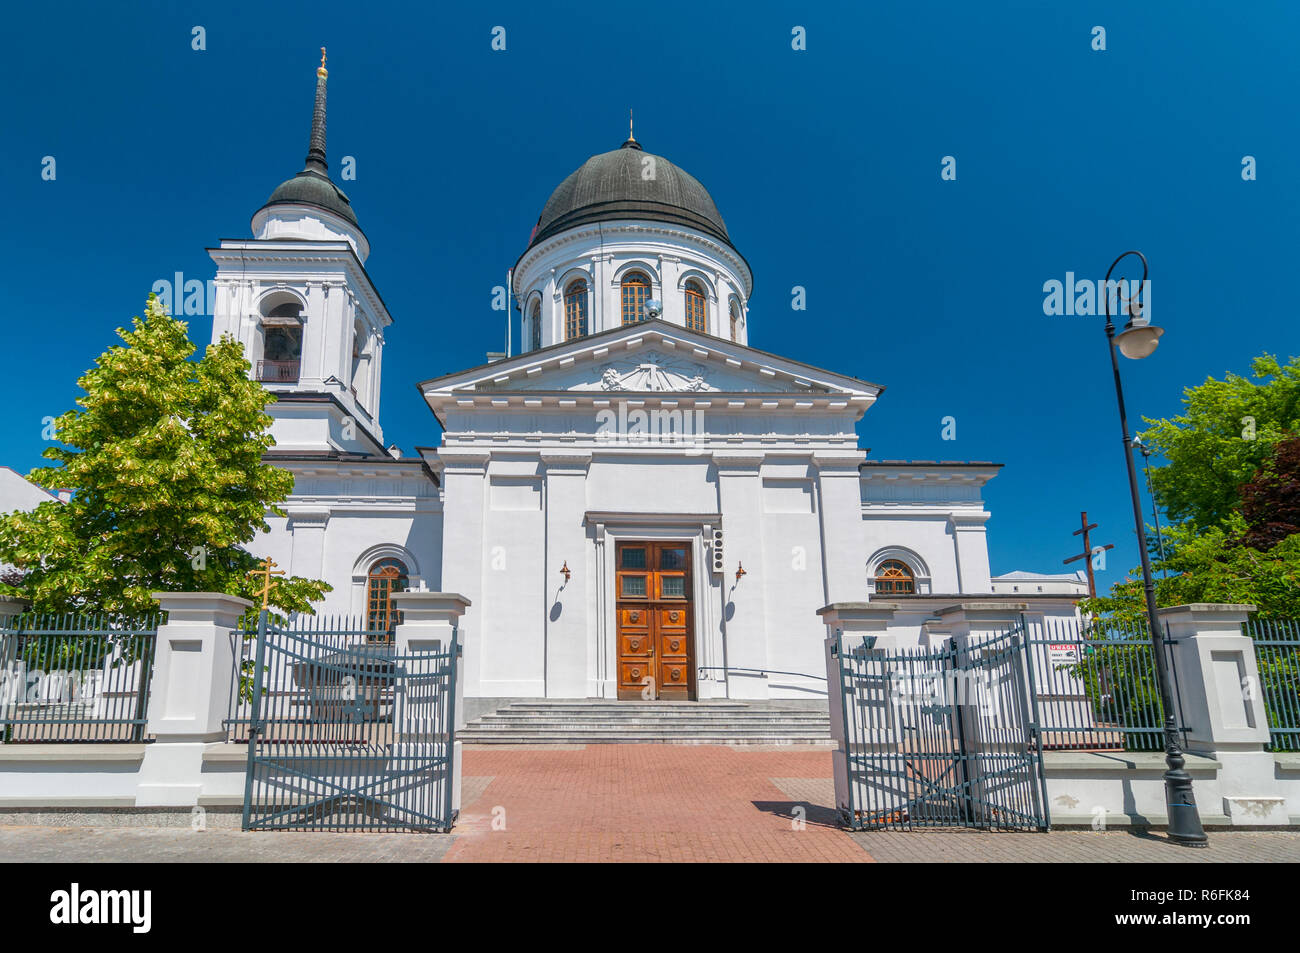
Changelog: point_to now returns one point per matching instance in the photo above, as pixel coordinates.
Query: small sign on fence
(1063, 654)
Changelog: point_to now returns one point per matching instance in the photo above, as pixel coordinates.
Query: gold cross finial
(629, 126)
(321, 69)
(266, 572)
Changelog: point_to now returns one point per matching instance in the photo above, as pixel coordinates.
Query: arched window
(281, 344)
(575, 310)
(735, 318)
(636, 288)
(535, 327)
(894, 577)
(385, 578)
(694, 305)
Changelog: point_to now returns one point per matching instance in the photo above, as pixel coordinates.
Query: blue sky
(825, 164)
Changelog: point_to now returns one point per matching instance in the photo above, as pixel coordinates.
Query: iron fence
(1277, 655)
(340, 629)
(940, 737)
(348, 732)
(1097, 687)
(75, 678)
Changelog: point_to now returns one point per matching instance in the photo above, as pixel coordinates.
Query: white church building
(639, 504)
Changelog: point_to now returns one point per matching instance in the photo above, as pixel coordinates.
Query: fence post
(193, 669)
(430, 622)
(1218, 680)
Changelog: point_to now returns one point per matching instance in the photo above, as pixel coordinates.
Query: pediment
(651, 358)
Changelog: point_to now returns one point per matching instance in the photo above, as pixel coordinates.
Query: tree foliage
(1232, 488)
(164, 458)
(1213, 566)
(1270, 503)
(1228, 430)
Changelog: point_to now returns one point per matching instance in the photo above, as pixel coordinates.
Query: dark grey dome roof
(610, 187)
(309, 187)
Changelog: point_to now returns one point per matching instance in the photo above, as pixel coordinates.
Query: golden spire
(321, 71)
(629, 126)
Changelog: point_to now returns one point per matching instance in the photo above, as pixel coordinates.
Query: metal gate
(939, 737)
(347, 733)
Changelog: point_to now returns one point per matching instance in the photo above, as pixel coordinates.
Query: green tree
(1226, 433)
(164, 459)
(1270, 503)
(1214, 565)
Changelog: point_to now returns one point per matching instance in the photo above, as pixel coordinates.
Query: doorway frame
(696, 531)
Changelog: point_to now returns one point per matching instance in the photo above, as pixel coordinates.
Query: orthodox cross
(1084, 529)
(266, 572)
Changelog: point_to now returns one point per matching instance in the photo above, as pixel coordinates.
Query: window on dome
(575, 310)
(636, 288)
(386, 577)
(895, 577)
(735, 318)
(694, 306)
(535, 327)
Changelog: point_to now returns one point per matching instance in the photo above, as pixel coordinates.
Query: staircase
(602, 721)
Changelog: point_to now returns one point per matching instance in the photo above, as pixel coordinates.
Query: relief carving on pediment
(654, 372)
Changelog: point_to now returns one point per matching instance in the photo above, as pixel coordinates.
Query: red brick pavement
(646, 803)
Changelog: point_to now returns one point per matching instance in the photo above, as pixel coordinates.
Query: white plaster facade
(653, 430)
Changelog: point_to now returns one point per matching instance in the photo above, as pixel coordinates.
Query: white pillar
(844, 561)
(430, 623)
(740, 502)
(849, 626)
(193, 680)
(567, 543)
(1223, 708)
(464, 480)
(971, 548)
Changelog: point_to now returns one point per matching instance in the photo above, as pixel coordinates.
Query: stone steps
(599, 721)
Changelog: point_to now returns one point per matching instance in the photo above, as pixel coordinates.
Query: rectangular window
(674, 587)
(633, 559)
(672, 559)
(633, 586)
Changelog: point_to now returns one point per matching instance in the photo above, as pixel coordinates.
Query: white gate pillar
(189, 697)
(1223, 707)
(430, 623)
(857, 622)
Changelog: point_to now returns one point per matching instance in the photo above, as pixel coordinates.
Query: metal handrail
(760, 671)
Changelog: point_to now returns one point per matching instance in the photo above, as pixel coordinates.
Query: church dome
(310, 187)
(613, 186)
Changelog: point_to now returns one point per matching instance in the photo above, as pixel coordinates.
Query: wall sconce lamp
(565, 572)
(740, 571)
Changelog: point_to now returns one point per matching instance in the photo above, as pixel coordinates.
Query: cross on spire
(1084, 529)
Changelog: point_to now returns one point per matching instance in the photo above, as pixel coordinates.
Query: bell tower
(297, 296)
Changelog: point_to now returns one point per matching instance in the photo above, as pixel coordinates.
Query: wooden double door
(656, 650)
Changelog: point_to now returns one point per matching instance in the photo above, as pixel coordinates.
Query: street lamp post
(1155, 510)
(1138, 340)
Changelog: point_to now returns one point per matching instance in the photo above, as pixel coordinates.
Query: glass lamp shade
(1137, 341)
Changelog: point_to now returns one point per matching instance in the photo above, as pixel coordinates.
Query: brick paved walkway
(640, 803)
(648, 803)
